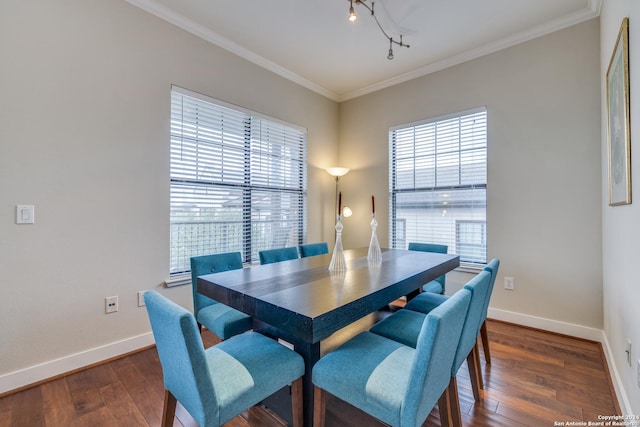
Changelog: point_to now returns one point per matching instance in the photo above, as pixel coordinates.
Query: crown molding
(204, 33)
(591, 11)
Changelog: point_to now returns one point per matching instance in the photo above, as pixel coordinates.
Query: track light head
(353, 18)
(352, 13)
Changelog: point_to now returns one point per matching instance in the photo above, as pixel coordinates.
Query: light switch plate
(25, 214)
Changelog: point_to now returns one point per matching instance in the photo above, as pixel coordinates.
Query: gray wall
(621, 224)
(84, 137)
(544, 216)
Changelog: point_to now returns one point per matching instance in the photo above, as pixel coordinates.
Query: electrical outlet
(508, 283)
(628, 351)
(110, 304)
(141, 298)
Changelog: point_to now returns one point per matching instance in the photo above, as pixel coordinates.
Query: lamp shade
(337, 171)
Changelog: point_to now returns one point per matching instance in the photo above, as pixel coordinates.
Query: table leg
(310, 353)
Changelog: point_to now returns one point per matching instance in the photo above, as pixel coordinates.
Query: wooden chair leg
(485, 342)
(444, 407)
(296, 402)
(319, 407)
(169, 409)
(454, 400)
(475, 373)
(476, 357)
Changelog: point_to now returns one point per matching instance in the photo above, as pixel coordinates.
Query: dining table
(303, 303)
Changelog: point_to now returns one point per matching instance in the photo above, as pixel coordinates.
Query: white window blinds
(438, 184)
(238, 181)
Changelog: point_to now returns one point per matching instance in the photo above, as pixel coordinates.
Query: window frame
(257, 178)
(396, 189)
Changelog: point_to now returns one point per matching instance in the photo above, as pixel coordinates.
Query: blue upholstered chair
(217, 384)
(393, 382)
(403, 326)
(492, 268)
(436, 286)
(220, 319)
(270, 256)
(313, 249)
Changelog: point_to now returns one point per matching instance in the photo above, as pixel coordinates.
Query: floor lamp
(337, 172)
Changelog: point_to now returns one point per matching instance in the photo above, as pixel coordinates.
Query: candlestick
(340, 203)
(373, 204)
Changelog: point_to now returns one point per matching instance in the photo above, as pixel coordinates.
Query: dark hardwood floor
(535, 379)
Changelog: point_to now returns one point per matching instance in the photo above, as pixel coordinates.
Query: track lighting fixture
(353, 17)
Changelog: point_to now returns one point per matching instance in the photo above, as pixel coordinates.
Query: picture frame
(618, 117)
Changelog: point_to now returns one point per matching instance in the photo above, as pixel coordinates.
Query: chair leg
(485, 342)
(475, 373)
(296, 403)
(169, 409)
(319, 407)
(454, 401)
(444, 407)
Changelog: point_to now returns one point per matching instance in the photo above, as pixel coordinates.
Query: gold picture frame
(618, 127)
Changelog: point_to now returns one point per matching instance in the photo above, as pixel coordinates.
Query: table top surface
(318, 301)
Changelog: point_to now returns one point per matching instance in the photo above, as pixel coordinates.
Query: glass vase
(374, 254)
(338, 263)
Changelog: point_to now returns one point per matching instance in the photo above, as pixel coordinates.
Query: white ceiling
(312, 43)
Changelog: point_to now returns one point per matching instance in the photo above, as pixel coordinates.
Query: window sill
(178, 280)
(470, 268)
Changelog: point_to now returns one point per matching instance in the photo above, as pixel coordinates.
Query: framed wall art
(618, 127)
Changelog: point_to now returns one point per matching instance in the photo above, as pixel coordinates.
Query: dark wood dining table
(303, 303)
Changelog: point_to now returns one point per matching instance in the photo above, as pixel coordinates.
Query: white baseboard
(556, 326)
(573, 330)
(33, 374)
(623, 399)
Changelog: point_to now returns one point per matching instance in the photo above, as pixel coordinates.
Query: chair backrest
(270, 256)
(184, 366)
(313, 249)
(435, 351)
(492, 267)
(431, 247)
(478, 286)
(207, 264)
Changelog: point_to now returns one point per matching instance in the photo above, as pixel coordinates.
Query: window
(471, 242)
(238, 180)
(438, 184)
